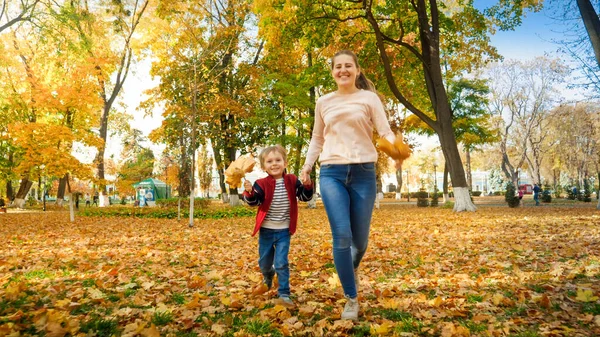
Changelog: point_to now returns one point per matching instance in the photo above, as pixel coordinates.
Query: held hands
(305, 175)
(248, 186)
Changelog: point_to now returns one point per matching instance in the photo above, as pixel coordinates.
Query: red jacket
(262, 196)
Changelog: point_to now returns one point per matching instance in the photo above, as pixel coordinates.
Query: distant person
(95, 200)
(277, 199)
(2, 205)
(87, 200)
(520, 194)
(536, 194)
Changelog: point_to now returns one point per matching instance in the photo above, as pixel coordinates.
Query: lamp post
(434, 178)
(407, 188)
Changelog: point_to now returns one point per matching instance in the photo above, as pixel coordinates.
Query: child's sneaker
(286, 301)
(351, 310)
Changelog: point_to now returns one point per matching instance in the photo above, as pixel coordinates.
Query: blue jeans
(536, 197)
(273, 249)
(348, 192)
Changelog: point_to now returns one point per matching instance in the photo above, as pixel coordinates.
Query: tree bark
(399, 183)
(468, 163)
(592, 25)
(62, 186)
(19, 201)
(445, 184)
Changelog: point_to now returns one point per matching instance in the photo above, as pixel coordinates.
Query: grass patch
(178, 298)
(262, 328)
(361, 330)
(161, 318)
(409, 324)
(474, 298)
(36, 274)
(100, 327)
(591, 308)
(394, 315)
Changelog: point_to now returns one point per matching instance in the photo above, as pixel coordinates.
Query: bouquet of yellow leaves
(397, 151)
(238, 169)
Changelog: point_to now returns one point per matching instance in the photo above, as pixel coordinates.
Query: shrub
(546, 194)
(510, 197)
(586, 195)
(185, 202)
(435, 196)
(422, 199)
(476, 193)
(168, 213)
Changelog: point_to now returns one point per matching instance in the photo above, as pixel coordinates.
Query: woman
(342, 135)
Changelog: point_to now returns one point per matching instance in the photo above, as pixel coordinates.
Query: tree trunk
(312, 204)
(445, 184)
(592, 25)
(468, 164)
(62, 186)
(10, 193)
(100, 156)
(22, 193)
(399, 183)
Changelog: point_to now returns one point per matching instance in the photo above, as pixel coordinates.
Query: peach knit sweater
(343, 129)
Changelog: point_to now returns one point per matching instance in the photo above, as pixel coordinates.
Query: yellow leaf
(381, 330)
(585, 295)
(152, 331)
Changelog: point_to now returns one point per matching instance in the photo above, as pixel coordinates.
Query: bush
(587, 192)
(185, 202)
(435, 196)
(546, 194)
(510, 197)
(476, 193)
(168, 213)
(422, 199)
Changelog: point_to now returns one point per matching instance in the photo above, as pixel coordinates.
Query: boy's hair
(267, 150)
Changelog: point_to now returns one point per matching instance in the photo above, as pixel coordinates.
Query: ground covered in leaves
(428, 272)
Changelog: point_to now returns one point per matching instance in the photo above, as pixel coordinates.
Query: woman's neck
(347, 90)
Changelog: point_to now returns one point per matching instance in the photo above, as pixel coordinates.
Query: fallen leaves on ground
(428, 272)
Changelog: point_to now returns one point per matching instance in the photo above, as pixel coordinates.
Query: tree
(11, 15)
(205, 168)
(111, 75)
(410, 38)
(135, 169)
(592, 25)
(522, 93)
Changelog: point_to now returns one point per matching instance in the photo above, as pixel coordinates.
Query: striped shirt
(278, 216)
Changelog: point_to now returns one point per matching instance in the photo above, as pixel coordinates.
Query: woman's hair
(267, 150)
(362, 82)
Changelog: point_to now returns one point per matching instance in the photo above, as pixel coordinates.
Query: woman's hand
(305, 175)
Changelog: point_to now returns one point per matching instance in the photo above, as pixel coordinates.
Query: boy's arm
(255, 197)
(304, 192)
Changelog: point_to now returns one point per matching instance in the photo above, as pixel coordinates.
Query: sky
(533, 38)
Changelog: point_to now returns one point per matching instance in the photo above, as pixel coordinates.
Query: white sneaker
(351, 310)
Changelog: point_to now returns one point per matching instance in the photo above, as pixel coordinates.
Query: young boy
(276, 197)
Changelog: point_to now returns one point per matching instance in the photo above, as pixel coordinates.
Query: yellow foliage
(238, 169)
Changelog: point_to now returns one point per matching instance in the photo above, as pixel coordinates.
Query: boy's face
(274, 164)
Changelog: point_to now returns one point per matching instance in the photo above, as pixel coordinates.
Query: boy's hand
(247, 186)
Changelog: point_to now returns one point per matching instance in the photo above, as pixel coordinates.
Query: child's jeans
(273, 249)
(348, 192)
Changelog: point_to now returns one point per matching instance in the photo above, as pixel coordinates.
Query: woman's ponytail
(362, 82)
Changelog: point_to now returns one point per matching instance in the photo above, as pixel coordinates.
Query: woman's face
(344, 71)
